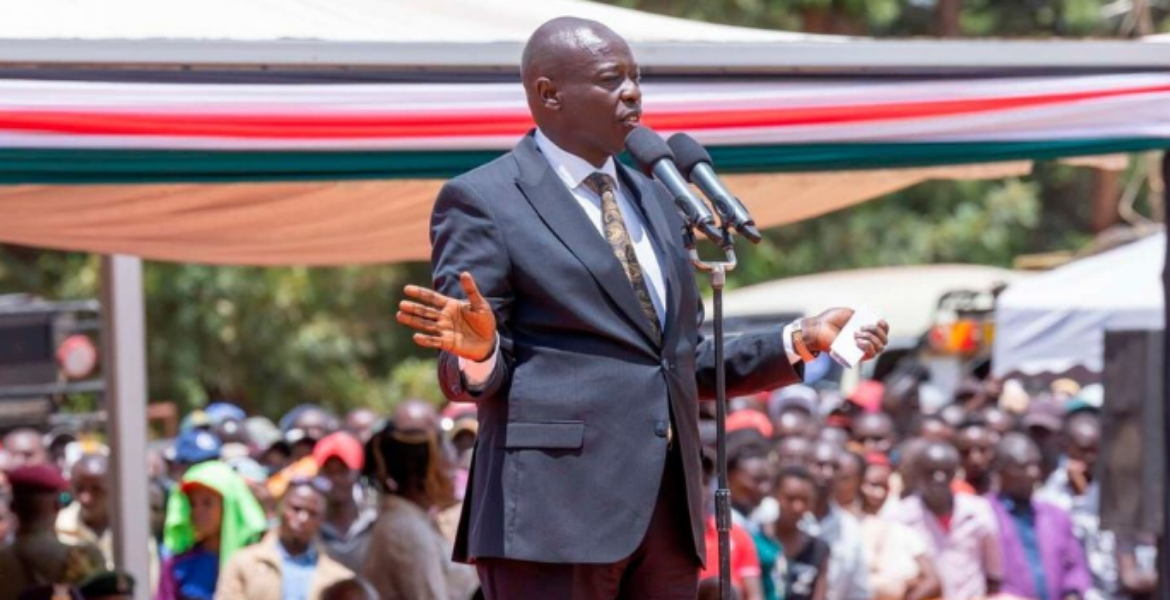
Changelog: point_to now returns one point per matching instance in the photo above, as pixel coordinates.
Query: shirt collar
(309, 557)
(569, 167)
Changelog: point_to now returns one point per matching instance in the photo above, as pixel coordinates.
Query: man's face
(1084, 436)
(91, 491)
(793, 423)
(823, 465)
(300, 514)
(1019, 476)
(793, 452)
(848, 479)
(937, 469)
(751, 481)
(875, 488)
(341, 479)
(600, 95)
(976, 449)
(796, 498)
(25, 448)
(875, 433)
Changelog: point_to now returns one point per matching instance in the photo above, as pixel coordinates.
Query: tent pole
(1164, 542)
(124, 350)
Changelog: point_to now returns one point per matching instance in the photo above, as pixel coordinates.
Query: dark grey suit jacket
(572, 439)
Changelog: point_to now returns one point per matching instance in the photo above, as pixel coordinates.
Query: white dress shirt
(572, 171)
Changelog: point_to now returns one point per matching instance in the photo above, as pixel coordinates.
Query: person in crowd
(971, 395)
(345, 530)
(793, 451)
(36, 557)
(211, 515)
(5, 487)
(193, 447)
(287, 564)
(268, 445)
(1074, 488)
(408, 556)
(87, 518)
(848, 576)
(1035, 537)
(959, 529)
(900, 566)
(874, 432)
(794, 411)
(157, 494)
(304, 425)
(354, 588)
(360, 423)
(976, 444)
(25, 446)
(999, 420)
(460, 430)
(749, 476)
(804, 568)
(1044, 423)
(108, 585)
(935, 427)
(745, 563)
(847, 491)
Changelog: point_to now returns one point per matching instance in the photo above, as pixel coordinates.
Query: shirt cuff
(793, 357)
(476, 374)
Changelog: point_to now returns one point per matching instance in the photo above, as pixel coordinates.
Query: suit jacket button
(660, 428)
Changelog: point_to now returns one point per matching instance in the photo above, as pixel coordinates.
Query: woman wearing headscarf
(211, 514)
(408, 557)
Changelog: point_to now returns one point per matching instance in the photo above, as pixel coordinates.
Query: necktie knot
(599, 183)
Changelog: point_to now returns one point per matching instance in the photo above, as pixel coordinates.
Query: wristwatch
(798, 343)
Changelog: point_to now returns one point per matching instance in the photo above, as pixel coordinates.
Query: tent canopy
(906, 297)
(1057, 321)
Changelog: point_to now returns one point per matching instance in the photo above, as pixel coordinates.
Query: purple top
(1061, 556)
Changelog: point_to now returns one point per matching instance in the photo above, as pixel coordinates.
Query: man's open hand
(820, 332)
(466, 328)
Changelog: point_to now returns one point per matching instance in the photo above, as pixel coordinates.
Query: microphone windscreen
(687, 153)
(647, 148)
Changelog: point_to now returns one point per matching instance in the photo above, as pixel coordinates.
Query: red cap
(868, 395)
(340, 445)
(750, 419)
(41, 477)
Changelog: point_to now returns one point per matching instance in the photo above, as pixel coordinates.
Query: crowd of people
(833, 498)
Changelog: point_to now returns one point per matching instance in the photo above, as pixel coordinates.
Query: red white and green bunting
(116, 132)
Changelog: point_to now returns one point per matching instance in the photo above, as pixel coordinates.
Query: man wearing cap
(36, 556)
(1044, 422)
(194, 446)
(345, 530)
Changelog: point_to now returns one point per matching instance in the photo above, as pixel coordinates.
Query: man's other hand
(465, 328)
(820, 332)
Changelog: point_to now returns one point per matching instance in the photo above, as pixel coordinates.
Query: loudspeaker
(1132, 461)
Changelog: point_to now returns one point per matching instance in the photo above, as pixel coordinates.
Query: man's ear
(547, 92)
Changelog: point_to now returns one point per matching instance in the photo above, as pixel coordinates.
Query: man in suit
(578, 340)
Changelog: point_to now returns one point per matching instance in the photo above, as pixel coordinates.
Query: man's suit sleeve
(754, 362)
(464, 237)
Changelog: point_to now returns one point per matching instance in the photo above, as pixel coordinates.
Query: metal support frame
(124, 350)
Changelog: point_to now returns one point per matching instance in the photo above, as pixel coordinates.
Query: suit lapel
(662, 235)
(559, 210)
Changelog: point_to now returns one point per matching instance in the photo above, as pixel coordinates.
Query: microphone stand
(718, 273)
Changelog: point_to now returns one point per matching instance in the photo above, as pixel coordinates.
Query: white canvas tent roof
(1057, 321)
(905, 296)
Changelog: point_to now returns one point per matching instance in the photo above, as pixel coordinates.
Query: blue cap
(218, 412)
(196, 446)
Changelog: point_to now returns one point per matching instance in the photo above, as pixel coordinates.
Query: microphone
(655, 159)
(695, 164)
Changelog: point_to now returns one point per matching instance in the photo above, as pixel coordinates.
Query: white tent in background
(1057, 321)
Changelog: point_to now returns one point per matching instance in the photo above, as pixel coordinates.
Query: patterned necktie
(619, 239)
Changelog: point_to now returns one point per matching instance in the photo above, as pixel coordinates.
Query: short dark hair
(795, 472)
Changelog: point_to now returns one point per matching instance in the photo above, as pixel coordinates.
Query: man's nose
(631, 92)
